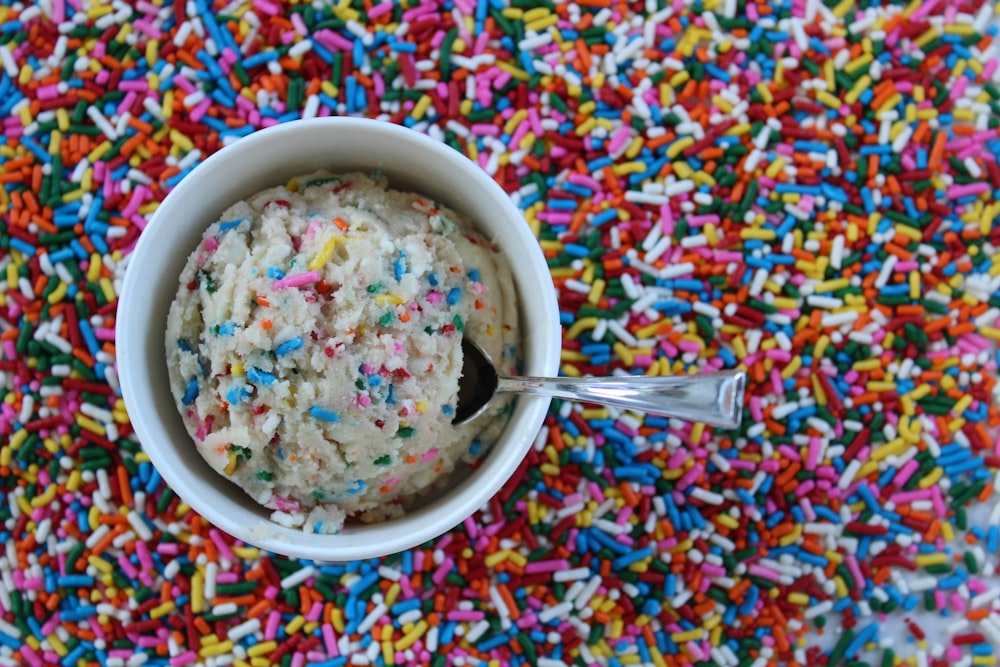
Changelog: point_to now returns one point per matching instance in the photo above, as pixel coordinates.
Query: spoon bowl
(711, 398)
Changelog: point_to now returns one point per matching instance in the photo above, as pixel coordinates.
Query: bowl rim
(400, 534)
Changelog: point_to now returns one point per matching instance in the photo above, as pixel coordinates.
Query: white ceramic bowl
(270, 157)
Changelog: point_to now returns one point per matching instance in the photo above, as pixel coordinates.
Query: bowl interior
(270, 157)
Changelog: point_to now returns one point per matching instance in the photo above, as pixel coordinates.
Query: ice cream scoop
(712, 398)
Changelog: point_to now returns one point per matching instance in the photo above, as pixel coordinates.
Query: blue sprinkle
(238, 394)
(474, 275)
(261, 58)
(454, 294)
(432, 279)
(399, 266)
(227, 329)
(275, 273)
(231, 224)
(258, 376)
(22, 246)
(605, 217)
(324, 414)
(289, 346)
(191, 392)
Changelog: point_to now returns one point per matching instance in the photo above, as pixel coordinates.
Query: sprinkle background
(807, 189)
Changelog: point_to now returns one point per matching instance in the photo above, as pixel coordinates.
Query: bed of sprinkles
(805, 188)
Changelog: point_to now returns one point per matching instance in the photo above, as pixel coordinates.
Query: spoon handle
(712, 398)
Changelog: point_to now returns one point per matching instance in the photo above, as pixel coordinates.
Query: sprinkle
(288, 346)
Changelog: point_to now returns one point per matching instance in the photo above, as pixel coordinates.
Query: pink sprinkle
(546, 566)
(442, 571)
(380, 9)
(959, 191)
(29, 654)
(297, 280)
(183, 658)
(220, 543)
(765, 572)
(430, 455)
(330, 640)
(271, 628)
(265, 7)
(465, 615)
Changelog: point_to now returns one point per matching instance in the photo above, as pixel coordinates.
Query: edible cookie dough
(314, 346)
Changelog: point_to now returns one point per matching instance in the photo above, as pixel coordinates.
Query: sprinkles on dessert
(805, 188)
(314, 346)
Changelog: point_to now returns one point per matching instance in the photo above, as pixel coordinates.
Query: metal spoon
(712, 398)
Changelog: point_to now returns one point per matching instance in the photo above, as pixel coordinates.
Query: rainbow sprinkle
(803, 188)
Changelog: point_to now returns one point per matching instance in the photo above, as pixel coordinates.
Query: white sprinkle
(985, 598)
(300, 49)
(101, 122)
(140, 527)
(561, 610)
(311, 107)
(297, 577)
(839, 319)
(661, 246)
(498, 602)
(645, 198)
(573, 574)
(9, 65)
(678, 187)
(588, 592)
(622, 334)
(923, 584)
(707, 496)
(850, 472)
(211, 575)
(480, 628)
(676, 270)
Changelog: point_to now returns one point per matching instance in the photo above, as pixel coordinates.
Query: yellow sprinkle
(383, 299)
(635, 167)
(44, 499)
(931, 479)
(738, 130)
(515, 72)
(894, 448)
(580, 325)
(230, 467)
(755, 233)
(197, 592)
(687, 636)
(99, 151)
(262, 648)
(829, 100)
(107, 289)
(925, 560)
(295, 624)
(724, 104)
(86, 422)
(567, 370)
(596, 290)
(221, 648)
(101, 564)
(792, 367)
(679, 79)
(962, 404)
(859, 62)
(542, 23)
